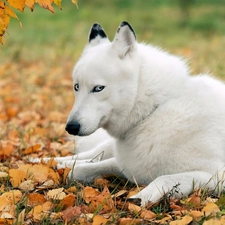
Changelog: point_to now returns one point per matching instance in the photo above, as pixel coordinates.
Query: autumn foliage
(7, 10)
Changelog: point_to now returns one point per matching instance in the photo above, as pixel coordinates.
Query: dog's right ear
(97, 35)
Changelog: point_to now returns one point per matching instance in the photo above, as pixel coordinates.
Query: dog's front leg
(182, 183)
(87, 172)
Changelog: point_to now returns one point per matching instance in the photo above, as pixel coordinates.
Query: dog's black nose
(73, 128)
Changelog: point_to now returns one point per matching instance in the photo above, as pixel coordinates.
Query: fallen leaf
(56, 194)
(67, 201)
(27, 185)
(214, 221)
(71, 212)
(17, 177)
(36, 199)
(89, 193)
(210, 208)
(99, 220)
(129, 221)
(183, 221)
(147, 215)
(134, 208)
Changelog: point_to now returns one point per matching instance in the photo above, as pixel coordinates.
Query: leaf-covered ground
(36, 97)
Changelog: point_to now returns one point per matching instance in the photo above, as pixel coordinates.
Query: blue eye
(98, 88)
(76, 87)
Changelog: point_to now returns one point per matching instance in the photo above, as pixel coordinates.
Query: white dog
(166, 127)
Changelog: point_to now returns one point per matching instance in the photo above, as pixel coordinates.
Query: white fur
(166, 126)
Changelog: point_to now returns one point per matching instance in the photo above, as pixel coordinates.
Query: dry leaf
(89, 193)
(134, 208)
(27, 185)
(215, 221)
(183, 221)
(71, 212)
(147, 215)
(99, 220)
(129, 221)
(210, 208)
(67, 201)
(56, 194)
(36, 199)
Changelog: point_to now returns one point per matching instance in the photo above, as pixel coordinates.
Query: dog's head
(104, 81)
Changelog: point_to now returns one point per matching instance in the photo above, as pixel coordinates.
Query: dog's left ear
(96, 35)
(125, 39)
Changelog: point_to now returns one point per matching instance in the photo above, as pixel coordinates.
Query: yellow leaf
(58, 3)
(75, 2)
(10, 12)
(47, 4)
(184, 221)
(215, 221)
(30, 4)
(210, 208)
(17, 4)
(17, 177)
(134, 208)
(99, 220)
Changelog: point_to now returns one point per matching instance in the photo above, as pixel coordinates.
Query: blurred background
(36, 61)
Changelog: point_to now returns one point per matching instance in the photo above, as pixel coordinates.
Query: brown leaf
(134, 208)
(36, 199)
(71, 212)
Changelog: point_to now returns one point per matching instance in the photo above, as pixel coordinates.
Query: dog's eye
(98, 88)
(76, 87)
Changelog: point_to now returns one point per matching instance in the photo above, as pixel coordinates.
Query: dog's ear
(96, 35)
(125, 39)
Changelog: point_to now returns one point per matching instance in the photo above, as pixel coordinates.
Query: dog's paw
(147, 196)
(82, 172)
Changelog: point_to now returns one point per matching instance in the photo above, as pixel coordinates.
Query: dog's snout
(73, 128)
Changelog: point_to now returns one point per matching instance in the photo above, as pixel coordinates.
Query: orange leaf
(47, 4)
(32, 149)
(99, 220)
(103, 202)
(147, 215)
(6, 148)
(30, 4)
(134, 208)
(17, 177)
(17, 4)
(129, 221)
(10, 12)
(89, 193)
(67, 201)
(36, 199)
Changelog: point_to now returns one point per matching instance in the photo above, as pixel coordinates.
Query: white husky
(166, 127)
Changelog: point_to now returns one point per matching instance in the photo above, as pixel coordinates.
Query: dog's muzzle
(73, 128)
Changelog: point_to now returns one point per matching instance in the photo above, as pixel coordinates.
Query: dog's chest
(139, 162)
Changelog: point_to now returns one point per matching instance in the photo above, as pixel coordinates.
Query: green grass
(54, 37)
